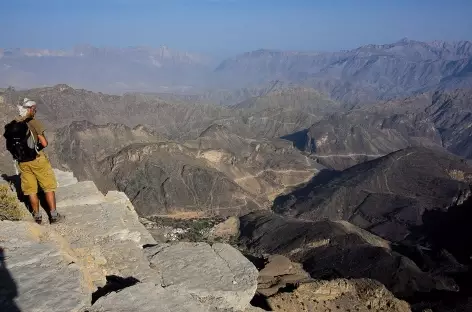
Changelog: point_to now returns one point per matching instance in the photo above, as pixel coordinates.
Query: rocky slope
(100, 258)
(386, 196)
(335, 249)
(341, 141)
(282, 110)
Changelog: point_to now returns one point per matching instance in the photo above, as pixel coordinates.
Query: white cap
(28, 103)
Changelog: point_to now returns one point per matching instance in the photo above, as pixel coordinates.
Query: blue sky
(230, 26)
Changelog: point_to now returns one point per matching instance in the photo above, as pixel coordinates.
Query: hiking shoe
(57, 217)
(38, 218)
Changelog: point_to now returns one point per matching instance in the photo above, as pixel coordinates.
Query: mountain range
(364, 74)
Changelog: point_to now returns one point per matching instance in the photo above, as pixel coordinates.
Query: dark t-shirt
(35, 126)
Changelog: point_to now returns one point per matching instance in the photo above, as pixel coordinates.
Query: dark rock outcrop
(386, 196)
(337, 249)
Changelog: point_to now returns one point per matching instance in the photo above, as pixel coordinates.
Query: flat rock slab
(38, 273)
(82, 193)
(148, 297)
(219, 275)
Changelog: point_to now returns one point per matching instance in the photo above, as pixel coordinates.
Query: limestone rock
(82, 193)
(112, 242)
(338, 295)
(254, 309)
(64, 178)
(39, 272)
(217, 274)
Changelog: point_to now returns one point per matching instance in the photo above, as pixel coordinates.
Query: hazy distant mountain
(364, 74)
(361, 75)
(104, 69)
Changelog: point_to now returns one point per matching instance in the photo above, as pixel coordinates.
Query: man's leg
(47, 182)
(29, 187)
(34, 202)
(51, 200)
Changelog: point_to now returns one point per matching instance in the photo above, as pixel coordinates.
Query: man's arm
(42, 140)
(39, 129)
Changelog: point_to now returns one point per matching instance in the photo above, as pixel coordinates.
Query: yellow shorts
(37, 171)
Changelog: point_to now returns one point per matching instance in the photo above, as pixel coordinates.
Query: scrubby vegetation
(10, 206)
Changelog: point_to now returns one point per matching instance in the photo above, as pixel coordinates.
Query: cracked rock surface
(218, 274)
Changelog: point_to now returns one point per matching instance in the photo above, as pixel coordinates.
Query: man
(38, 170)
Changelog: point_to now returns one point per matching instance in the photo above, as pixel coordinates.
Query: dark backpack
(17, 134)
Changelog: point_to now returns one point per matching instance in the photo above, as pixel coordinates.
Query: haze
(225, 27)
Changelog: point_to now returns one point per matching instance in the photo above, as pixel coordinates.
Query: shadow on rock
(114, 283)
(8, 288)
(284, 202)
(446, 234)
(300, 139)
(450, 230)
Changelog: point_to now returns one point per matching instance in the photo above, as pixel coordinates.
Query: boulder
(219, 275)
(278, 273)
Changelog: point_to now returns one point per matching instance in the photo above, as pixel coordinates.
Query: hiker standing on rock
(25, 141)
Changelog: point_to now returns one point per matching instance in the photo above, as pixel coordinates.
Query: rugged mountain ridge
(343, 139)
(177, 119)
(219, 173)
